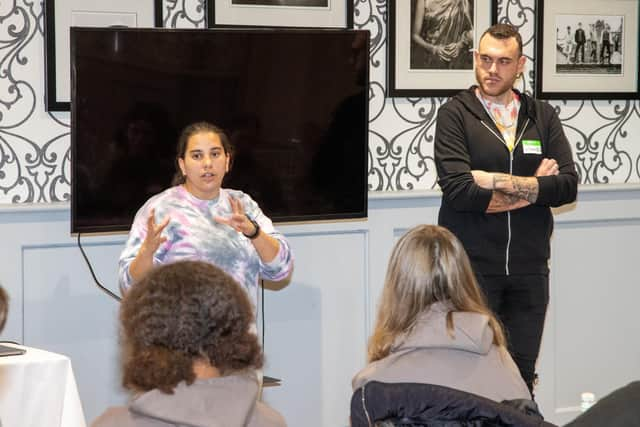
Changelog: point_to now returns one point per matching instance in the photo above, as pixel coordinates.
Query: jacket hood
(471, 102)
(216, 402)
(471, 331)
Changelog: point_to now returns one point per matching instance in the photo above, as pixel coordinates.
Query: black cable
(93, 274)
(262, 313)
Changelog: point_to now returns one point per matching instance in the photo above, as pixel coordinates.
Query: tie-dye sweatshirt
(193, 234)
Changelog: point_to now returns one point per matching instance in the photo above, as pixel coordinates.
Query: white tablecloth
(38, 389)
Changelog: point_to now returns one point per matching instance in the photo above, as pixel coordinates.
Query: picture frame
(60, 15)
(280, 13)
(413, 69)
(587, 49)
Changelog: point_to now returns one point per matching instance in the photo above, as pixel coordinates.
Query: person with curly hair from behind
(188, 354)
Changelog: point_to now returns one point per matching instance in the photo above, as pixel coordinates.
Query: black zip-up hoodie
(466, 138)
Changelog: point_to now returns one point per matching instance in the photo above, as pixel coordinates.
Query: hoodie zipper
(515, 144)
(506, 256)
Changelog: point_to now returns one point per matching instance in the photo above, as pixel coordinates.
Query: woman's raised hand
(237, 220)
(154, 237)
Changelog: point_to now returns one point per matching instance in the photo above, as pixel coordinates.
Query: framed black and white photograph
(60, 15)
(281, 13)
(431, 44)
(587, 49)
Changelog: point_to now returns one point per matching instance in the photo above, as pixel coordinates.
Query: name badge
(531, 146)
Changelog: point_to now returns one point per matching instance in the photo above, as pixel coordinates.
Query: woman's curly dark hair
(181, 312)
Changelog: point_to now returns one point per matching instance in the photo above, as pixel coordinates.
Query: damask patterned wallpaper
(34, 144)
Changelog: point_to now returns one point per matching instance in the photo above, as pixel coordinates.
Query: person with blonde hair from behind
(189, 354)
(433, 325)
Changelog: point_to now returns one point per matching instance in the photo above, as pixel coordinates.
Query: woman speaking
(197, 219)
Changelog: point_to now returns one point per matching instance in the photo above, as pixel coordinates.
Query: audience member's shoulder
(266, 416)
(117, 416)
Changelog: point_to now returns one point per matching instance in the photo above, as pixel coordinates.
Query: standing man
(580, 38)
(503, 160)
(568, 44)
(593, 48)
(606, 44)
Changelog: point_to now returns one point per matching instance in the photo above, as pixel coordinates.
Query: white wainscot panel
(591, 337)
(315, 329)
(66, 313)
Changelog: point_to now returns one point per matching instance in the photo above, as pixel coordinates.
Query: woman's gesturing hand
(237, 220)
(143, 262)
(154, 237)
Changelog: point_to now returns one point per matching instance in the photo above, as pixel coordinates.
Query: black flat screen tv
(294, 103)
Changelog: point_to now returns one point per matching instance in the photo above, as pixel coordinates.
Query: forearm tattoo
(516, 186)
(501, 201)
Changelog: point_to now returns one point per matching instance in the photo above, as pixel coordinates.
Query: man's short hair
(503, 32)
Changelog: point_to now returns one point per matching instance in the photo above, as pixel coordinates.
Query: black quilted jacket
(411, 404)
